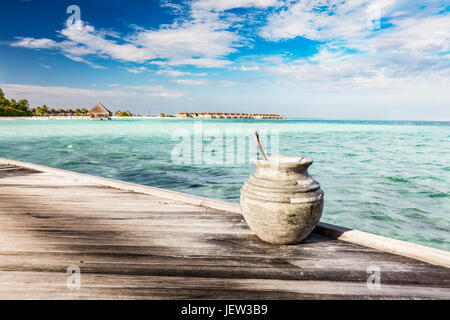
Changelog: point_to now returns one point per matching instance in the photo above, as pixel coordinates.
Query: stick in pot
(258, 143)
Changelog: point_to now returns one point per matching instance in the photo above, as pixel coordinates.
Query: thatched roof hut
(100, 111)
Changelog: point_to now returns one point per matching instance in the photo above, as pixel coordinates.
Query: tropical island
(21, 108)
(13, 108)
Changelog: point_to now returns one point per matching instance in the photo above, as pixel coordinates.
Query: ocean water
(384, 177)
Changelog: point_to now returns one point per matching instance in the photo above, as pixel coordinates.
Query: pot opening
(281, 159)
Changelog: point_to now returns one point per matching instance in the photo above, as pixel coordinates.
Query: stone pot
(281, 202)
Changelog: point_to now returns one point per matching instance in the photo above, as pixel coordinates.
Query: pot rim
(282, 161)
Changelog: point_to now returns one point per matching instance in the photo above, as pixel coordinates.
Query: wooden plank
(228, 268)
(54, 284)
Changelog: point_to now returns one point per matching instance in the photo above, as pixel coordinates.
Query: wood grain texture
(130, 245)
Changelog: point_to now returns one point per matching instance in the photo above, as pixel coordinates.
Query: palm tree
(42, 110)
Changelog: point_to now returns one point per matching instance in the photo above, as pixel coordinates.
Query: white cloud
(175, 7)
(75, 49)
(79, 59)
(158, 91)
(222, 5)
(228, 83)
(202, 41)
(408, 50)
(334, 69)
(82, 40)
(32, 43)
(192, 82)
(426, 35)
(84, 34)
(250, 68)
(177, 73)
(327, 20)
(202, 44)
(203, 82)
(196, 62)
(137, 70)
(328, 68)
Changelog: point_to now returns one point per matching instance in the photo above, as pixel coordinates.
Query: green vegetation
(162, 114)
(170, 116)
(81, 112)
(13, 108)
(122, 114)
(41, 111)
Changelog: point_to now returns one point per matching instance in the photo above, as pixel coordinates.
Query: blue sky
(313, 59)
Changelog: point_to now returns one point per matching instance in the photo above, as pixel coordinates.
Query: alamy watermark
(73, 281)
(374, 279)
(214, 146)
(75, 18)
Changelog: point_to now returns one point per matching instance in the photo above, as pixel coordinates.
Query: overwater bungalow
(228, 115)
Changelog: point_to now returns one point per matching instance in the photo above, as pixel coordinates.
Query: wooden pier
(138, 242)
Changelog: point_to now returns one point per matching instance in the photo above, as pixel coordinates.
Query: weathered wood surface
(130, 245)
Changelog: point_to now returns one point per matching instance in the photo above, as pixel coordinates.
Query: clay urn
(281, 202)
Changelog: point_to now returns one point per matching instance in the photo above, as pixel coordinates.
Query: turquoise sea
(385, 177)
